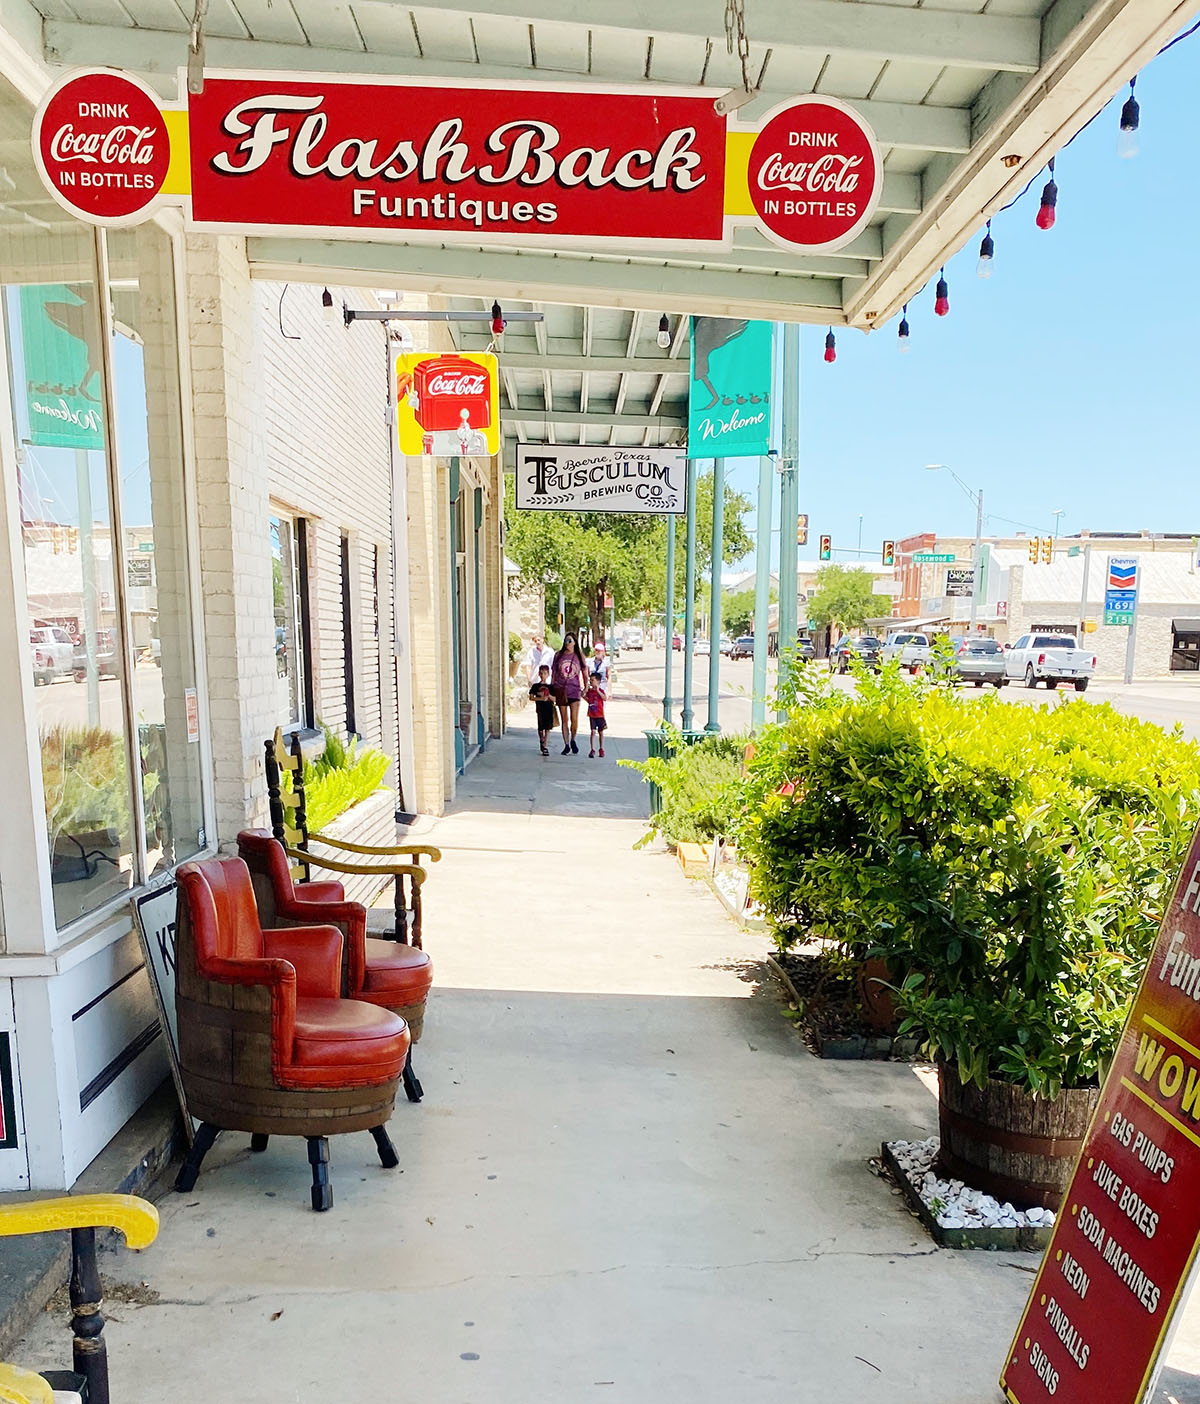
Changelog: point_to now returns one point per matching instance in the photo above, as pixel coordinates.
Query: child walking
(594, 697)
(543, 699)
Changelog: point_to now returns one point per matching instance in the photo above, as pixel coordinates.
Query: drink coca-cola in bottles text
(448, 404)
(102, 146)
(815, 174)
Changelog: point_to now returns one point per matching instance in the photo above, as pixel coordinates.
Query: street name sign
(933, 558)
(960, 582)
(582, 478)
(1122, 1251)
(1120, 590)
(435, 160)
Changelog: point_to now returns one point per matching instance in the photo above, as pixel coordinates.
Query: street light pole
(977, 499)
(977, 574)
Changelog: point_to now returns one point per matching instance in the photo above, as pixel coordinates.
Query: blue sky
(1066, 380)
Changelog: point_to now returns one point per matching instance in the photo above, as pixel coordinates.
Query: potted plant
(514, 653)
(1010, 865)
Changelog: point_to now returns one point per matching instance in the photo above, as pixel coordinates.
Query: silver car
(979, 661)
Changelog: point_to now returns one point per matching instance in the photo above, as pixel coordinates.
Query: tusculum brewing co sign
(421, 159)
(579, 478)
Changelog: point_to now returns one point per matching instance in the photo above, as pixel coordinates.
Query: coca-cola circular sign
(102, 146)
(815, 173)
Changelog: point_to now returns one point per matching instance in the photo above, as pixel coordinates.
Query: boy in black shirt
(543, 699)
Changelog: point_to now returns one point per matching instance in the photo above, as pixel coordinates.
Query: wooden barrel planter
(874, 981)
(1009, 1143)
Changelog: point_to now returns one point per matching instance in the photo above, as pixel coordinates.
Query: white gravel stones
(952, 1203)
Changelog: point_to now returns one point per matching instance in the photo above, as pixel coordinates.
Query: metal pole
(1083, 594)
(689, 603)
(789, 500)
(714, 626)
(762, 593)
(670, 618)
(562, 610)
(978, 573)
(1131, 642)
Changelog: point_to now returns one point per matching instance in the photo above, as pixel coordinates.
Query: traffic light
(889, 553)
(802, 529)
(1047, 549)
(826, 547)
(1034, 547)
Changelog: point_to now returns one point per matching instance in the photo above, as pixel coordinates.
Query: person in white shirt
(598, 666)
(539, 653)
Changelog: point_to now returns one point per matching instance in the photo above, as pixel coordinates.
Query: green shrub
(700, 784)
(514, 646)
(339, 778)
(1011, 863)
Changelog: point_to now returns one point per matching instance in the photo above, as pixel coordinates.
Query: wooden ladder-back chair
(289, 824)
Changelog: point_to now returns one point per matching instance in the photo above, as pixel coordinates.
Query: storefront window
(286, 555)
(75, 637)
(111, 650)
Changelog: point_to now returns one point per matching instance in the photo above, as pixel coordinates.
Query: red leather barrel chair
(375, 969)
(267, 1044)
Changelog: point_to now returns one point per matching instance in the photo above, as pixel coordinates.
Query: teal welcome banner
(729, 405)
(60, 343)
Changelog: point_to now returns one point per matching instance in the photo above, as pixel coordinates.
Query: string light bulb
(1046, 210)
(497, 320)
(1127, 137)
(902, 340)
(830, 348)
(987, 253)
(664, 333)
(941, 300)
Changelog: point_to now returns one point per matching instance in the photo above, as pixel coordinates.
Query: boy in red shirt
(594, 697)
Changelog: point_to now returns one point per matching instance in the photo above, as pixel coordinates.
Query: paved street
(1167, 701)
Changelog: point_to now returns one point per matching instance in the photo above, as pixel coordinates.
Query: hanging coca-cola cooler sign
(423, 159)
(447, 405)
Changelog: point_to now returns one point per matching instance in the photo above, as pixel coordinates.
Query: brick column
(234, 504)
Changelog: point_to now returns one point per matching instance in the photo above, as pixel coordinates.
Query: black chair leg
(258, 1141)
(412, 1085)
(387, 1152)
(318, 1158)
(206, 1134)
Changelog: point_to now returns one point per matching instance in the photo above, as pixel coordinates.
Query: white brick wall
(327, 440)
(299, 425)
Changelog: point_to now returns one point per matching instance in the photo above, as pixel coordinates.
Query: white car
(1050, 658)
(633, 639)
(701, 647)
(53, 654)
(912, 649)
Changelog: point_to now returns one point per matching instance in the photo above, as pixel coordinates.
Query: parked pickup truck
(911, 649)
(1050, 658)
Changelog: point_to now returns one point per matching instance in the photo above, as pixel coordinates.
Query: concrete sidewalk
(628, 1179)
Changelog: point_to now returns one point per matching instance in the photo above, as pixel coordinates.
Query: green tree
(591, 555)
(843, 597)
(737, 610)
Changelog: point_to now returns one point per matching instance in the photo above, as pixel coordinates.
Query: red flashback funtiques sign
(380, 157)
(1124, 1245)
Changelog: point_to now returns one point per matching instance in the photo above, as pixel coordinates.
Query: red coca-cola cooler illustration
(447, 386)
